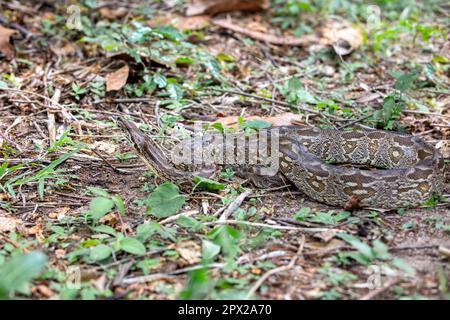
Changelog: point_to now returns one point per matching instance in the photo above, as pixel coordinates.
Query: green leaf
(257, 124)
(165, 200)
(3, 85)
(160, 80)
(209, 250)
(100, 252)
(405, 81)
(362, 247)
(146, 230)
(208, 184)
(175, 91)
(190, 223)
(402, 265)
(133, 246)
(98, 192)
(99, 207)
(16, 273)
(105, 229)
(302, 214)
(381, 250)
(120, 205)
(184, 60)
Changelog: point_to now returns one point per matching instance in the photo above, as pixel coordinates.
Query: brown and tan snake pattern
(405, 171)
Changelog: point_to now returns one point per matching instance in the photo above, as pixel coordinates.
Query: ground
(82, 216)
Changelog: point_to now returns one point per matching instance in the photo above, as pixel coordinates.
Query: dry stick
(264, 37)
(234, 205)
(156, 276)
(271, 226)
(426, 113)
(51, 117)
(175, 217)
(280, 103)
(269, 273)
(109, 164)
(376, 292)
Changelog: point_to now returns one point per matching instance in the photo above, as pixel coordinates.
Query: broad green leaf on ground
(105, 229)
(257, 124)
(165, 200)
(120, 205)
(405, 81)
(99, 207)
(209, 250)
(208, 184)
(100, 252)
(362, 247)
(16, 273)
(133, 246)
(190, 223)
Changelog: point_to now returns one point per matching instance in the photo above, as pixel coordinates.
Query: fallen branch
(234, 205)
(376, 292)
(264, 37)
(265, 225)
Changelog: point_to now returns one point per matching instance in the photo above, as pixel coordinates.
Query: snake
(365, 168)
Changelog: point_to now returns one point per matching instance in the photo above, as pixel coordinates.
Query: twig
(51, 117)
(175, 217)
(240, 260)
(264, 225)
(264, 37)
(376, 292)
(109, 164)
(416, 247)
(234, 205)
(269, 273)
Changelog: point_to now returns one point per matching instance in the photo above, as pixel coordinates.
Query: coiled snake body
(406, 171)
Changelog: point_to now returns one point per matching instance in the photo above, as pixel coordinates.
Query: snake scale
(404, 170)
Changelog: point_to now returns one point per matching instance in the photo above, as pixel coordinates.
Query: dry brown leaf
(264, 36)
(113, 14)
(192, 23)
(44, 290)
(326, 235)
(5, 42)
(117, 79)
(342, 36)
(60, 214)
(110, 219)
(325, 246)
(197, 7)
(189, 251)
(38, 232)
(9, 224)
(179, 22)
(65, 50)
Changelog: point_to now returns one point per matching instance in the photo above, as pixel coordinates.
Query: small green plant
(48, 172)
(102, 204)
(16, 273)
(77, 91)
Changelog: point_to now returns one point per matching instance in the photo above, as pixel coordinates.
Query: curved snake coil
(406, 171)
